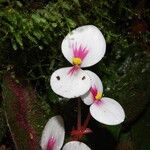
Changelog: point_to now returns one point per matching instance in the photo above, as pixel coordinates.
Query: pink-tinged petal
(96, 86)
(86, 42)
(70, 86)
(53, 134)
(107, 111)
(87, 98)
(75, 145)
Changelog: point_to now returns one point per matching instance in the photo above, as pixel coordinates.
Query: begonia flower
(83, 47)
(53, 137)
(70, 86)
(103, 109)
(53, 134)
(75, 145)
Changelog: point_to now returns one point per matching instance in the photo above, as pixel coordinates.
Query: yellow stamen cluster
(76, 61)
(98, 96)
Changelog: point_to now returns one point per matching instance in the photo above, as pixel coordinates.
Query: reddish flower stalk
(79, 115)
(86, 122)
(81, 130)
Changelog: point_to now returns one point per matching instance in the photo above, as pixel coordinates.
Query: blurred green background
(31, 32)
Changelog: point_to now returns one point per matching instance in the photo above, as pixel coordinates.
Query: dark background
(31, 33)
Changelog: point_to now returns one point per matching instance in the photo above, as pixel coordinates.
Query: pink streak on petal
(98, 103)
(75, 50)
(79, 51)
(94, 91)
(51, 143)
(73, 70)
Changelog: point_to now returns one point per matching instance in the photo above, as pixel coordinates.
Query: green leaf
(52, 96)
(115, 131)
(77, 2)
(141, 132)
(14, 44)
(38, 19)
(2, 1)
(19, 3)
(24, 113)
(3, 124)
(125, 142)
(38, 35)
(18, 39)
(70, 22)
(31, 38)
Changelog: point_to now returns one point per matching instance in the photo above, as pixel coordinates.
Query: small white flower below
(53, 137)
(75, 145)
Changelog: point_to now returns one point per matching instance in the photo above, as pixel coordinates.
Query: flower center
(77, 61)
(98, 96)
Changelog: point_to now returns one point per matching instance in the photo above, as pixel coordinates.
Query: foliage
(31, 33)
(2, 124)
(24, 114)
(139, 130)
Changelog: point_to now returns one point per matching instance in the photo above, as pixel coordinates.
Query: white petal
(70, 86)
(75, 145)
(88, 36)
(53, 129)
(95, 81)
(107, 111)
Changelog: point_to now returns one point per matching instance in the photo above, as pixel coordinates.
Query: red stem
(87, 120)
(79, 115)
(78, 133)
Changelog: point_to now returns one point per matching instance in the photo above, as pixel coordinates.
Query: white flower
(83, 47)
(75, 145)
(53, 137)
(70, 86)
(103, 109)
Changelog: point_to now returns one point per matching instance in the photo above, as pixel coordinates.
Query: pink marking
(79, 52)
(94, 91)
(73, 70)
(51, 143)
(98, 102)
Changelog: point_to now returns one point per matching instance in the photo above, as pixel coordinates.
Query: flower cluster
(83, 47)
(53, 137)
